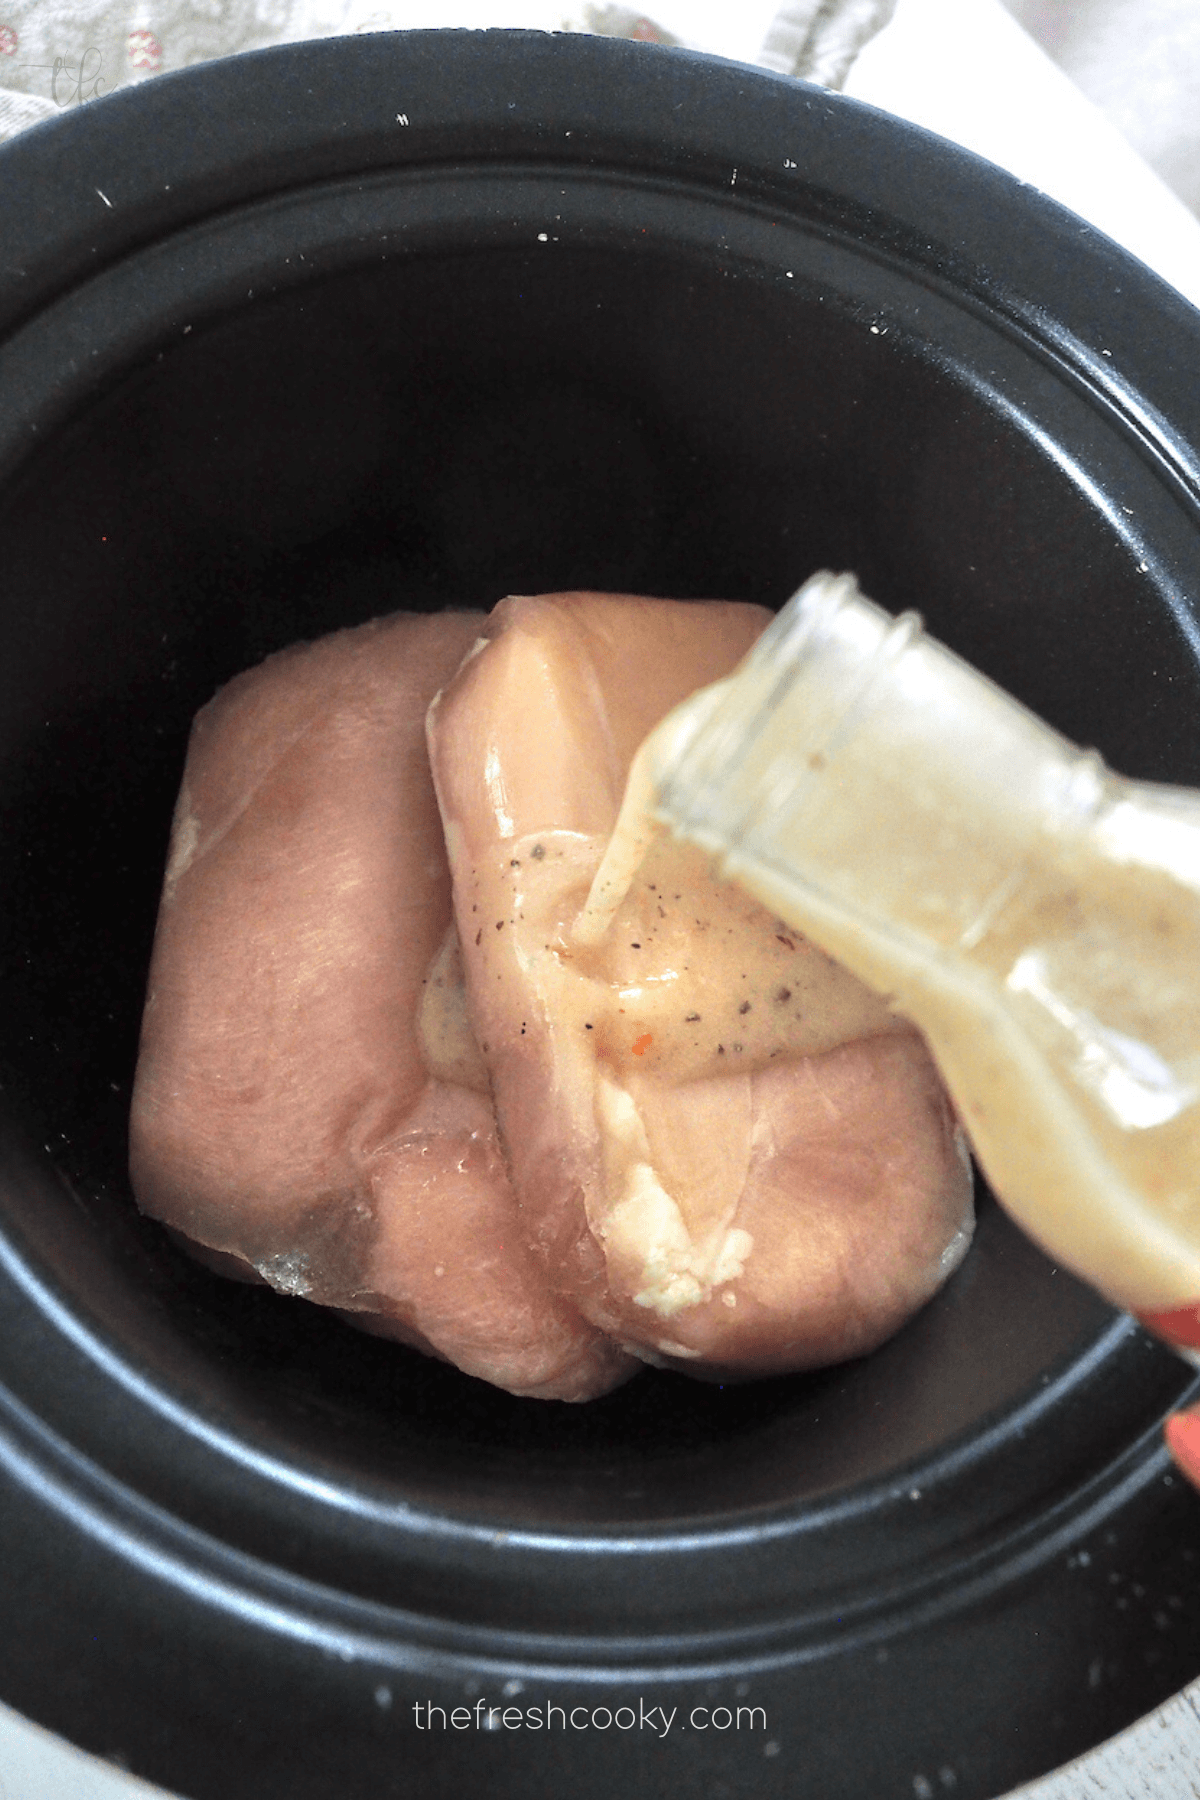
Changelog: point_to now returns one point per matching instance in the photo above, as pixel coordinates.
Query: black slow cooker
(415, 320)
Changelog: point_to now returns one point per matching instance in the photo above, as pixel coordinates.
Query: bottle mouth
(860, 760)
(817, 665)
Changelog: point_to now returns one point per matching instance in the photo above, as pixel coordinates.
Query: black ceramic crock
(415, 320)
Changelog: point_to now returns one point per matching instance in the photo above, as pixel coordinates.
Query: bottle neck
(856, 756)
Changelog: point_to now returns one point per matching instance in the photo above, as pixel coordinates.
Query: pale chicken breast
(727, 1152)
(716, 1148)
(285, 1113)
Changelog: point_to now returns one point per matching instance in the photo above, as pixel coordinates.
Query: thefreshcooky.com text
(485, 1716)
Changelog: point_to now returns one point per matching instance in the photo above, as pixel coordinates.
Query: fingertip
(1182, 1432)
(1180, 1326)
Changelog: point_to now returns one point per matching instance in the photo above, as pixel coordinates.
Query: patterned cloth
(59, 53)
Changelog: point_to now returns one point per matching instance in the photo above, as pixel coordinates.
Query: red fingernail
(1180, 1326)
(1182, 1432)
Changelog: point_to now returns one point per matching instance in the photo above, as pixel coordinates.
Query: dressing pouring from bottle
(1036, 916)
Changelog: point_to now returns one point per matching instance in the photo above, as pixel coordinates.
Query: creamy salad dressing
(692, 980)
(449, 1047)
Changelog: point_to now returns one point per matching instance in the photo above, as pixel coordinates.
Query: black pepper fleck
(691, 1019)
(744, 1007)
(538, 851)
(479, 934)
(783, 995)
(499, 924)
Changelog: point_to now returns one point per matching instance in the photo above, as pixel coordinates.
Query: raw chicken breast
(716, 1147)
(284, 1113)
(728, 1153)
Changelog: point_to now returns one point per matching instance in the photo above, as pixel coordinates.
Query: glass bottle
(1035, 915)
